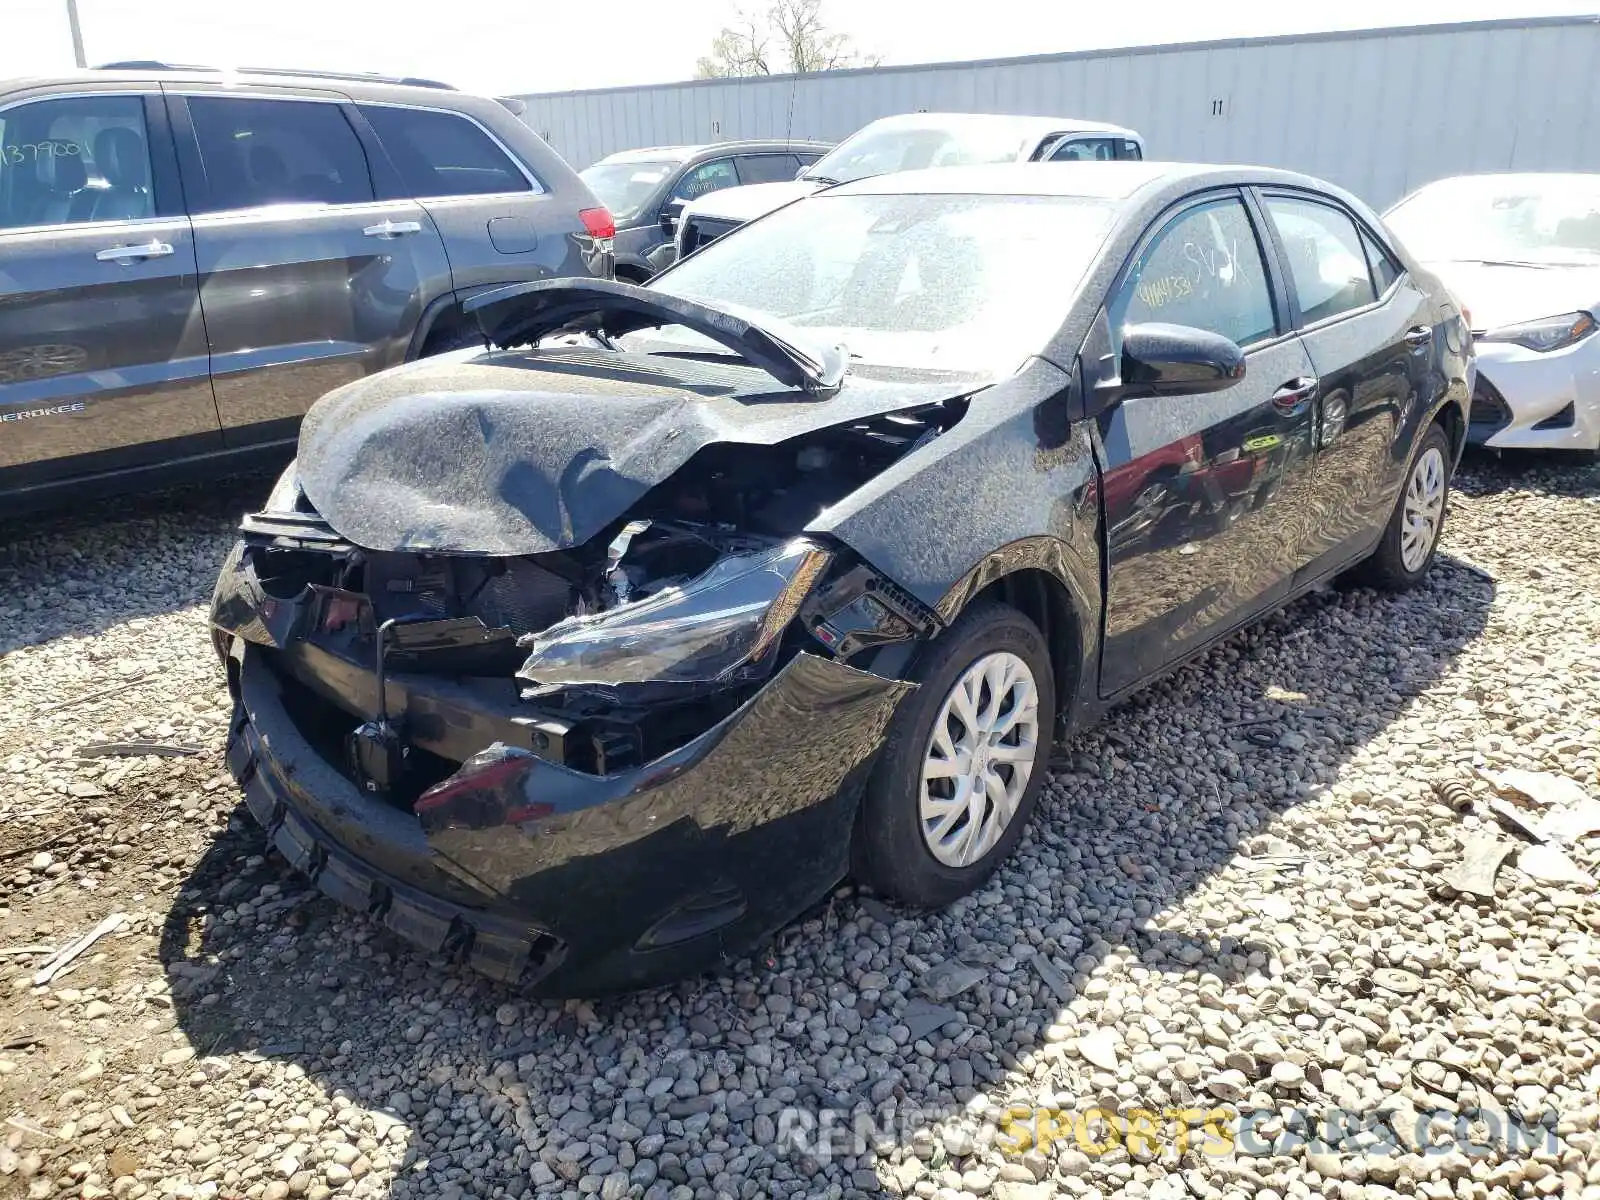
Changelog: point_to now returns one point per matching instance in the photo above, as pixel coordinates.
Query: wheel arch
(441, 323)
(1045, 601)
(1450, 419)
(1036, 577)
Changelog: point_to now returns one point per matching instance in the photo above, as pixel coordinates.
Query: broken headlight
(718, 629)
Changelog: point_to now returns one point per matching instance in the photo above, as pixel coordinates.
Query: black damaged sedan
(593, 658)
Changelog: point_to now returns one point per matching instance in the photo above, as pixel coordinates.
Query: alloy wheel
(1423, 509)
(979, 759)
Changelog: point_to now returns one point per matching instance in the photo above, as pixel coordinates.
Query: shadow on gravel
(77, 570)
(487, 1087)
(1541, 472)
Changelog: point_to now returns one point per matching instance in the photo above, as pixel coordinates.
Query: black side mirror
(670, 212)
(1174, 360)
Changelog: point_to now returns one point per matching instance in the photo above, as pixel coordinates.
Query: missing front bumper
(570, 883)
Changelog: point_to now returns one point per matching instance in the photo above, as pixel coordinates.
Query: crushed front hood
(524, 452)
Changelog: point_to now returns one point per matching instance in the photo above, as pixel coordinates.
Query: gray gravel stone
(1231, 922)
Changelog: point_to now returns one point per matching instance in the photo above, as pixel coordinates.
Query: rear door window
(708, 177)
(1086, 150)
(74, 159)
(767, 168)
(261, 152)
(1326, 259)
(441, 154)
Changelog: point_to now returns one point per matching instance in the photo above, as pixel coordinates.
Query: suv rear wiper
(522, 313)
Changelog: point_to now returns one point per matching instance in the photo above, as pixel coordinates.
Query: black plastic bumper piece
(495, 947)
(573, 884)
(1489, 413)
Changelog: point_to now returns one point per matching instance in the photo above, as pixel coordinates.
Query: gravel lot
(1193, 920)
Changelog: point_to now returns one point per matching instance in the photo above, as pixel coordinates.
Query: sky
(507, 46)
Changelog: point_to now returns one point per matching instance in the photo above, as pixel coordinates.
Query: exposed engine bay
(612, 652)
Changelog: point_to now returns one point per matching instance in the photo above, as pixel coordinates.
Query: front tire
(1411, 538)
(963, 763)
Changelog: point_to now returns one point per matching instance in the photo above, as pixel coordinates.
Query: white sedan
(904, 143)
(1522, 255)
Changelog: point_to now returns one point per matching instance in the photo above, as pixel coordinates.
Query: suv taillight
(598, 222)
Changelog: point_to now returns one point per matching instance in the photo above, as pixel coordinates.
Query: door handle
(1293, 394)
(1419, 335)
(123, 255)
(392, 229)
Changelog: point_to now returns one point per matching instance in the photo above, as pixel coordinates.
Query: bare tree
(803, 43)
(740, 49)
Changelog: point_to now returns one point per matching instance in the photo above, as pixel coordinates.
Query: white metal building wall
(1377, 111)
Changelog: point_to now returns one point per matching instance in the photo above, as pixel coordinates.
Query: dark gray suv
(646, 190)
(189, 259)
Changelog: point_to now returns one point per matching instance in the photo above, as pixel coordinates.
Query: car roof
(356, 85)
(1030, 125)
(1096, 180)
(685, 153)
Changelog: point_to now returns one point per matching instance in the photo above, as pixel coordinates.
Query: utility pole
(77, 33)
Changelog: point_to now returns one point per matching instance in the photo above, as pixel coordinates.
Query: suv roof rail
(144, 64)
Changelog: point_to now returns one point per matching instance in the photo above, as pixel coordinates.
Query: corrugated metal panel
(1378, 111)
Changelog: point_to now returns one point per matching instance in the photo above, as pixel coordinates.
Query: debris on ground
(1481, 856)
(1513, 816)
(55, 839)
(922, 1018)
(1569, 812)
(1573, 822)
(1393, 979)
(99, 693)
(1059, 985)
(1099, 1047)
(1455, 793)
(948, 979)
(138, 750)
(1551, 864)
(1544, 788)
(63, 958)
(876, 909)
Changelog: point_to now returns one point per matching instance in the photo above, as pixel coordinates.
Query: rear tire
(1411, 538)
(950, 796)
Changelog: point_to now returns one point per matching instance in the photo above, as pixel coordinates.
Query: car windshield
(1515, 219)
(623, 187)
(965, 284)
(880, 150)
